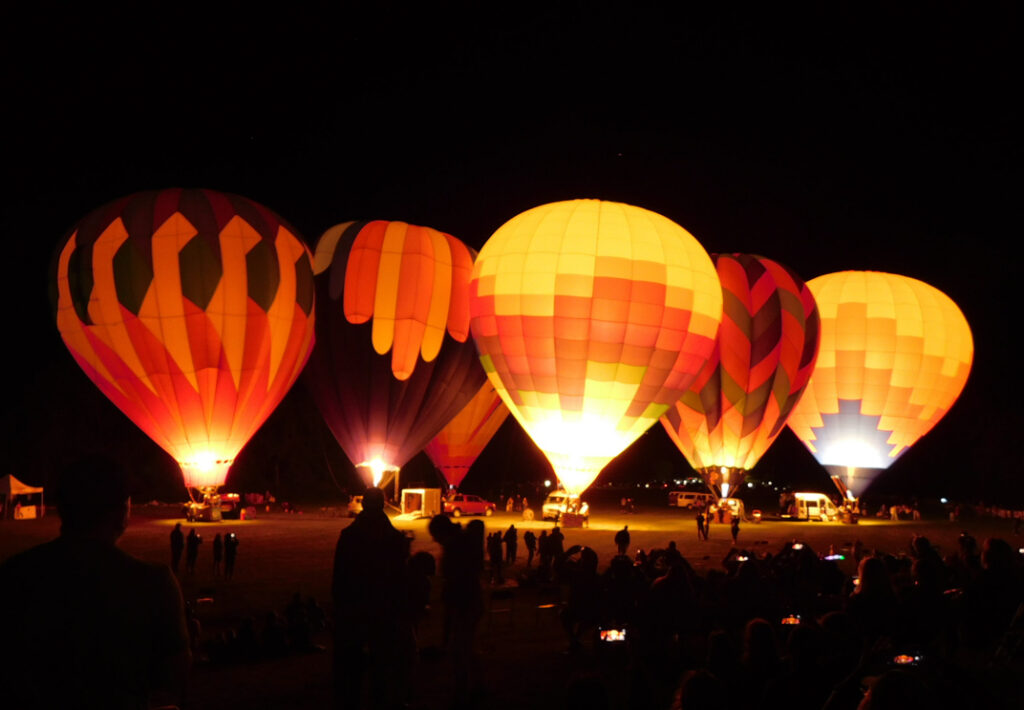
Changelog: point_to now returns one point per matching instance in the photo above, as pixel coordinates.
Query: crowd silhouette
(765, 628)
(768, 629)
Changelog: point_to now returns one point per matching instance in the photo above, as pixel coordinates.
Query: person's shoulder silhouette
(91, 626)
(368, 559)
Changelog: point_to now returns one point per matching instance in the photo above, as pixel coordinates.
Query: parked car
(815, 506)
(690, 500)
(213, 508)
(463, 504)
(559, 503)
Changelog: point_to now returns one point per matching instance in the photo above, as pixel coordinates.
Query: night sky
(855, 137)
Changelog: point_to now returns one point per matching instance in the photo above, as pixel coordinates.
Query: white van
(815, 506)
(690, 500)
(559, 503)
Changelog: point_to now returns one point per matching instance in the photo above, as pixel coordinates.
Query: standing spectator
(461, 565)
(494, 556)
(192, 544)
(177, 546)
(230, 553)
(218, 554)
(555, 542)
(544, 552)
(369, 606)
(531, 546)
(95, 627)
(622, 539)
(511, 540)
(735, 527)
(708, 515)
(701, 533)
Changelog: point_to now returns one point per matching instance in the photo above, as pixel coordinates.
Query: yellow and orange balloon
(591, 319)
(192, 310)
(895, 355)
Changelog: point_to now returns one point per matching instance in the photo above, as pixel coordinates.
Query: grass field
(521, 650)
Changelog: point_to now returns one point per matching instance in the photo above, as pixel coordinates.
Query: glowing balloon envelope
(462, 440)
(763, 358)
(192, 310)
(895, 355)
(393, 362)
(591, 318)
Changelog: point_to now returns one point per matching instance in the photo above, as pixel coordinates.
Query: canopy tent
(11, 486)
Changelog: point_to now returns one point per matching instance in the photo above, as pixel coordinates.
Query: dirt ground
(521, 647)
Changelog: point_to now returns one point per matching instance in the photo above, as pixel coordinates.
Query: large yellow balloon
(591, 319)
(895, 354)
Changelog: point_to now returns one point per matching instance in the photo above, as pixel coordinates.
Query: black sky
(860, 136)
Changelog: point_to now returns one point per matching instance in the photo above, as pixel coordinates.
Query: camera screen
(613, 634)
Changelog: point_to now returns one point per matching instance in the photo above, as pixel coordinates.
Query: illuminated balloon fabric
(457, 446)
(393, 362)
(763, 358)
(591, 319)
(192, 310)
(895, 355)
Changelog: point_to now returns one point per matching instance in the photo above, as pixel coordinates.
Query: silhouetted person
(494, 556)
(545, 558)
(91, 626)
(700, 526)
(192, 543)
(582, 612)
(230, 555)
(622, 540)
(218, 553)
(177, 546)
(735, 528)
(461, 565)
(369, 608)
(556, 540)
(511, 540)
(531, 546)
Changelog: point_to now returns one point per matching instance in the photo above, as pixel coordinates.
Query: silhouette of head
(92, 498)
(373, 500)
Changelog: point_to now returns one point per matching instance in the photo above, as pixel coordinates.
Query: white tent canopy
(10, 487)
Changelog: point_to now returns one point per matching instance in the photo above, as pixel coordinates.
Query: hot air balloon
(763, 357)
(591, 319)
(456, 447)
(895, 355)
(192, 310)
(394, 362)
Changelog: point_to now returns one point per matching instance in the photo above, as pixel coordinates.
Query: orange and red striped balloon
(192, 310)
(464, 438)
(763, 358)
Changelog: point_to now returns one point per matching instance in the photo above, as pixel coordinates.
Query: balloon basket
(572, 520)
